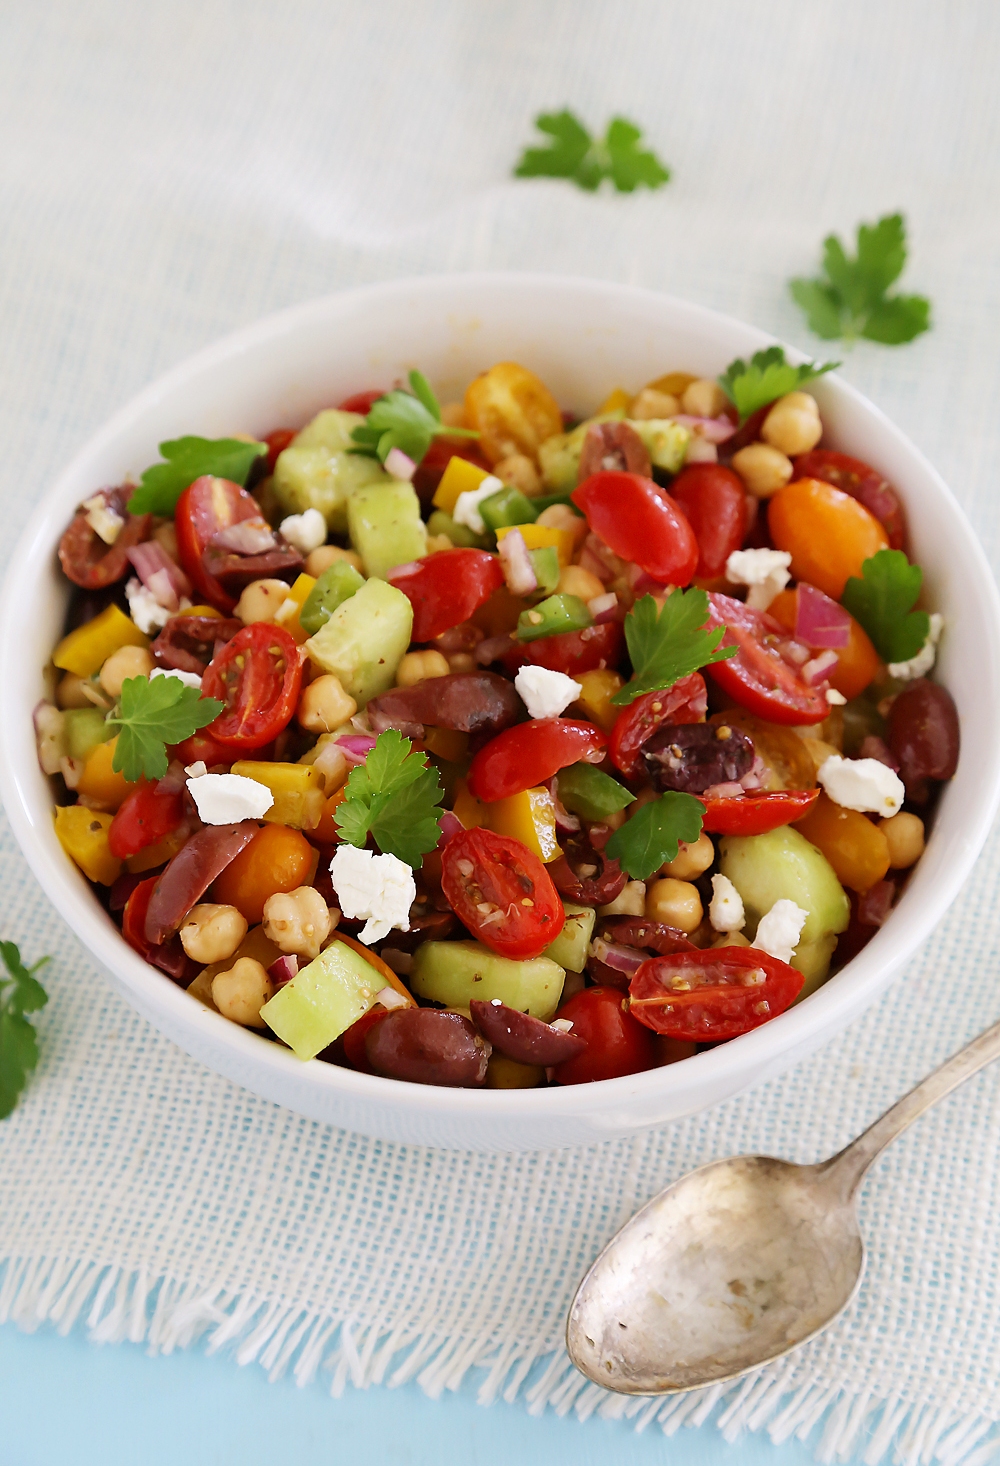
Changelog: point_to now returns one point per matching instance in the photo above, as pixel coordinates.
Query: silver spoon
(739, 1262)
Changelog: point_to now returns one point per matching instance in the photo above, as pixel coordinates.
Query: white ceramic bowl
(583, 338)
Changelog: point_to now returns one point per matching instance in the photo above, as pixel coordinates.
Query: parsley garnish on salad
(882, 600)
(574, 154)
(393, 796)
(404, 420)
(653, 834)
(187, 459)
(851, 298)
(20, 993)
(152, 713)
(667, 646)
(768, 377)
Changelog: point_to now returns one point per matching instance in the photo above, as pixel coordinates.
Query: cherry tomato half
(134, 917)
(362, 401)
(862, 482)
(641, 523)
(526, 755)
(758, 677)
(828, 534)
(146, 815)
(277, 442)
(436, 460)
(572, 652)
(201, 749)
(714, 502)
(205, 507)
(501, 892)
(707, 996)
(685, 702)
(258, 676)
(616, 1043)
(444, 589)
(353, 1039)
(756, 814)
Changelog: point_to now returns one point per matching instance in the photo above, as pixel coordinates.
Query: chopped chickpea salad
(479, 745)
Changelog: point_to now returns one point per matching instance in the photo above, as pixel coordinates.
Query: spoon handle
(845, 1171)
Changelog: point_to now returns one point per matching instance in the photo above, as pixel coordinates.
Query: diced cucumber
(666, 441)
(570, 947)
(322, 1000)
(545, 562)
(559, 456)
(459, 534)
(383, 521)
(316, 471)
(557, 613)
(337, 582)
(365, 640)
(453, 973)
(591, 793)
(507, 506)
(85, 729)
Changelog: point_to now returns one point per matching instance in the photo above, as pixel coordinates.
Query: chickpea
(166, 536)
(438, 542)
(905, 834)
(731, 939)
(519, 471)
(240, 993)
(319, 560)
(261, 601)
(674, 903)
(561, 516)
(631, 902)
(653, 404)
(70, 693)
(763, 469)
(575, 581)
(324, 705)
(420, 666)
(462, 662)
(691, 860)
(453, 414)
(298, 921)
(127, 661)
(793, 424)
(212, 933)
(704, 398)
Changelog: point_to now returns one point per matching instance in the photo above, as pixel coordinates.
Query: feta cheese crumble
(104, 521)
(190, 679)
(378, 889)
(725, 910)
(861, 783)
(467, 505)
(306, 531)
(544, 693)
(766, 572)
(921, 664)
(225, 799)
(778, 932)
(144, 608)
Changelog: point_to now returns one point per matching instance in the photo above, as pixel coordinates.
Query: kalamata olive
(614, 445)
(86, 559)
(234, 572)
(645, 938)
(84, 605)
(428, 1046)
(188, 643)
(586, 875)
(190, 873)
(923, 736)
(426, 925)
(469, 702)
(694, 756)
(522, 1037)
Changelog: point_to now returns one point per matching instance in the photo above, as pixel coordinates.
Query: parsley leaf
(574, 154)
(404, 420)
(20, 993)
(393, 796)
(768, 377)
(654, 833)
(850, 299)
(666, 647)
(187, 459)
(882, 600)
(154, 712)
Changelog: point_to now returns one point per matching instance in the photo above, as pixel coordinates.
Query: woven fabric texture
(171, 171)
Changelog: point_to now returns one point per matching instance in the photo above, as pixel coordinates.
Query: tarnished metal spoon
(739, 1262)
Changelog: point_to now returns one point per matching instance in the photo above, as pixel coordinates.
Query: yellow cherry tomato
(512, 410)
(857, 849)
(828, 534)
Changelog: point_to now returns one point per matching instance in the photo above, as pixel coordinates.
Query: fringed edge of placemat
(114, 1306)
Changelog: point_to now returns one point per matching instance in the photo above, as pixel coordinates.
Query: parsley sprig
(187, 459)
(882, 600)
(152, 713)
(20, 993)
(851, 297)
(654, 833)
(393, 796)
(404, 420)
(768, 377)
(587, 161)
(667, 646)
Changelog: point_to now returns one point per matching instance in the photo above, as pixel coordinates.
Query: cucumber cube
(323, 1000)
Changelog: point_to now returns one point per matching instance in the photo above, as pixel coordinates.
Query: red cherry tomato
(436, 460)
(134, 917)
(362, 401)
(521, 757)
(354, 1037)
(641, 523)
(758, 677)
(707, 996)
(855, 477)
(616, 1043)
(201, 749)
(258, 676)
(205, 507)
(444, 589)
(501, 892)
(571, 652)
(146, 815)
(277, 442)
(715, 503)
(685, 702)
(756, 814)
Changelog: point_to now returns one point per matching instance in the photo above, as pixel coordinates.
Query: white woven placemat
(168, 172)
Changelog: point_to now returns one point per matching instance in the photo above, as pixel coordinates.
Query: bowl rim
(763, 1052)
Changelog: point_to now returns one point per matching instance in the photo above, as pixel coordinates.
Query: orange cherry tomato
(276, 859)
(857, 662)
(857, 849)
(326, 832)
(828, 534)
(512, 410)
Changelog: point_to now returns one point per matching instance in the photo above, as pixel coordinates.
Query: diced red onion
(566, 823)
(876, 903)
(819, 621)
(174, 779)
(643, 583)
(596, 566)
(874, 747)
(712, 429)
(399, 464)
(248, 537)
(515, 562)
(492, 649)
(451, 825)
(283, 969)
(389, 998)
(356, 746)
(603, 608)
(613, 954)
(818, 669)
(731, 790)
(755, 775)
(159, 574)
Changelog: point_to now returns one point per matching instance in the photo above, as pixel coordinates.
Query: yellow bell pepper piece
(460, 477)
(83, 834)
(617, 401)
(539, 536)
(529, 817)
(288, 615)
(157, 854)
(447, 743)
(468, 808)
(594, 702)
(99, 781)
(299, 791)
(86, 649)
